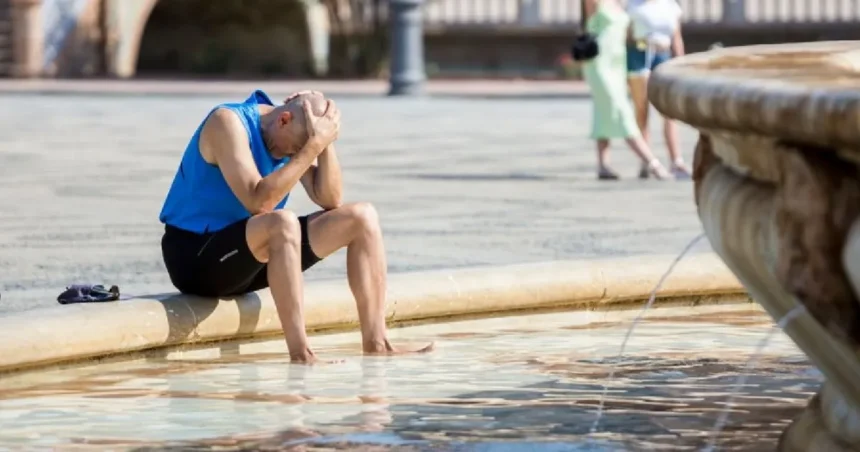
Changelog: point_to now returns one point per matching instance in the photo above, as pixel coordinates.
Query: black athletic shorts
(220, 264)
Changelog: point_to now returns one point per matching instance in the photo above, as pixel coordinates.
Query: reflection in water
(534, 387)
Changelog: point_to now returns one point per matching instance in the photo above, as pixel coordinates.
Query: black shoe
(607, 174)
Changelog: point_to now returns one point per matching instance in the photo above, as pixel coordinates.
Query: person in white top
(655, 37)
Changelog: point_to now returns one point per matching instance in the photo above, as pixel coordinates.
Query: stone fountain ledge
(51, 336)
(777, 185)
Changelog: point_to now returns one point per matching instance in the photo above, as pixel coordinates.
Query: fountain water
(633, 324)
(750, 365)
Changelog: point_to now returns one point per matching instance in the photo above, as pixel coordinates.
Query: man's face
(289, 135)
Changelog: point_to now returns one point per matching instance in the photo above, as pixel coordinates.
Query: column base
(406, 89)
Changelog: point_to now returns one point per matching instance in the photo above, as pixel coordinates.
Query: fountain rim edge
(43, 338)
(758, 106)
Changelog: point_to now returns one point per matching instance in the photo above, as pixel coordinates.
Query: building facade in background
(347, 38)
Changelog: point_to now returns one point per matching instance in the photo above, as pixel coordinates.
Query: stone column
(528, 12)
(28, 38)
(407, 47)
(319, 31)
(734, 11)
(126, 24)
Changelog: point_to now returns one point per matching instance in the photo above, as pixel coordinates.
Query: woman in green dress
(606, 75)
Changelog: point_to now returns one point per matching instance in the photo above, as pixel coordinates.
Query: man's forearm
(274, 187)
(328, 184)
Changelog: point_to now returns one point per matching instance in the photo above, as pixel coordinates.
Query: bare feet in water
(385, 348)
(309, 358)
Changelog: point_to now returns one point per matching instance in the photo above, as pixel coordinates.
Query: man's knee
(365, 217)
(283, 227)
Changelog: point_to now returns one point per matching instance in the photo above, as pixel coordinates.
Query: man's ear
(285, 118)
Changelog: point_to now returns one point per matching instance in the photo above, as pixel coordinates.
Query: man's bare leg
(356, 227)
(276, 238)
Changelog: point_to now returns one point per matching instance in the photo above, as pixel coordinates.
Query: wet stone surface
(456, 183)
(519, 383)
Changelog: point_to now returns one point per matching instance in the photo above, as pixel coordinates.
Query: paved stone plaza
(457, 182)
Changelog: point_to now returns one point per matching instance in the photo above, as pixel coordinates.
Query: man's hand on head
(308, 92)
(321, 125)
(322, 130)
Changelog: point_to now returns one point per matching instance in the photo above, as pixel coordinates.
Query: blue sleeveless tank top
(199, 199)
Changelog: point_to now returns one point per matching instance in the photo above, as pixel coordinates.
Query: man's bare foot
(306, 355)
(304, 358)
(309, 358)
(385, 348)
(314, 360)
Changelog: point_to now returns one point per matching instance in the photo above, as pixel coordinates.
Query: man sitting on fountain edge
(227, 232)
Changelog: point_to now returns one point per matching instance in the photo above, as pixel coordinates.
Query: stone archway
(238, 38)
(126, 22)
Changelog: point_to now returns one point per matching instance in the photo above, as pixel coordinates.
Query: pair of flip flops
(86, 293)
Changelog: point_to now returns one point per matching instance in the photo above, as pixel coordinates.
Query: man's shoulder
(222, 129)
(224, 118)
(223, 123)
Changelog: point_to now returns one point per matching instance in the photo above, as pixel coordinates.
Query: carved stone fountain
(777, 185)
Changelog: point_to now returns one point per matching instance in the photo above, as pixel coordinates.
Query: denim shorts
(644, 61)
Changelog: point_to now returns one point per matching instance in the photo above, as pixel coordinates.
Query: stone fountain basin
(523, 354)
(777, 186)
(526, 382)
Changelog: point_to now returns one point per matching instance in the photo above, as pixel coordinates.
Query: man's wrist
(313, 147)
(327, 150)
